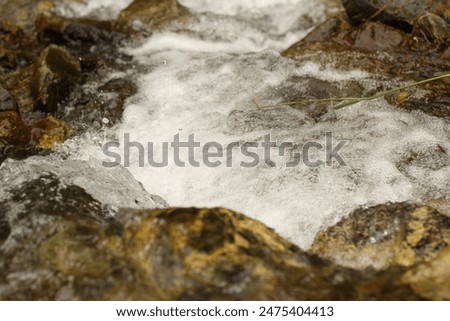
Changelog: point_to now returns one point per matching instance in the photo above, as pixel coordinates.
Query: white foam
(197, 81)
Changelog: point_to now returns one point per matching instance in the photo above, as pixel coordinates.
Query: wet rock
(96, 45)
(441, 7)
(384, 236)
(397, 13)
(184, 254)
(12, 129)
(202, 254)
(325, 30)
(375, 36)
(420, 155)
(26, 212)
(43, 134)
(113, 187)
(433, 28)
(24, 12)
(60, 200)
(147, 14)
(81, 253)
(56, 72)
(92, 42)
(48, 133)
(431, 279)
(7, 101)
(113, 94)
(17, 49)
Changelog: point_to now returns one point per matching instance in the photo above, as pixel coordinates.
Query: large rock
(68, 247)
(384, 236)
(386, 52)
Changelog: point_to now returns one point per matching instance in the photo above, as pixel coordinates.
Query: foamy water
(205, 82)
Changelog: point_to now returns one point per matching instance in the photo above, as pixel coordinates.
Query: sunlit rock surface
(165, 254)
(24, 12)
(385, 235)
(81, 253)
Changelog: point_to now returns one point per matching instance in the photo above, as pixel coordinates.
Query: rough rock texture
(43, 134)
(398, 13)
(146, 255)
(432, 27)
(386, 235)
(431, 279)
(81, 252)
(50, 70)
(7, 101)
(112, 187)
(24, 12)
(63, 234)
(56, 72)
(146, 14)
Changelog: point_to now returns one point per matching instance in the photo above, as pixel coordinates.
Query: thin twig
(384, 93)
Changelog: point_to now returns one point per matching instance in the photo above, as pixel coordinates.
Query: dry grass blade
(348, 101)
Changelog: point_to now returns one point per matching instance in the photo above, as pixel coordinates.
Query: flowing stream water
(204, 82)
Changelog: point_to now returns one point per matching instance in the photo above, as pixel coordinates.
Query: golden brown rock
(384, 236)
(153, 13)
(12, 128)
(433, 28)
